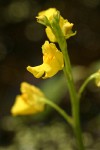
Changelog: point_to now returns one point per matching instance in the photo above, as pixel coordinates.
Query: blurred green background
(21, 38)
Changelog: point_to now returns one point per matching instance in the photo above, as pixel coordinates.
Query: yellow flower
(29, 102)
(65, 26)
(52, 62)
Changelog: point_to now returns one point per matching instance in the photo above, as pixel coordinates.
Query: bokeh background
(21, 38)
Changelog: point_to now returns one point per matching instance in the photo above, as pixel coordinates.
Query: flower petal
(50, 34)
(37, 71)
(48, 13)
(21, 107)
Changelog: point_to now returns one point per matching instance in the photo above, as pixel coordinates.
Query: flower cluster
(30, 100)
(52, 57)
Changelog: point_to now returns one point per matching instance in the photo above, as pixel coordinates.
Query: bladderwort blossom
(65, 25)
(52, 62)
(29, 101)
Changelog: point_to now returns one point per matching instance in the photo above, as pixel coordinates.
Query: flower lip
(52, 62)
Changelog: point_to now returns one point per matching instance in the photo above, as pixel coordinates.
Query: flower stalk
(95, 76)
(58, 109)
(70, 83)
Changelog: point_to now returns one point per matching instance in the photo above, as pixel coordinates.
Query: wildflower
(29, 102)
(52, 62)
(52, 14)
(98, 78)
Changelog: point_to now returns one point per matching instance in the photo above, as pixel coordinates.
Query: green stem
(59, 110)
(70, 82)
(91, 77)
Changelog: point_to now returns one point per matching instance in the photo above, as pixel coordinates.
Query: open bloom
(65, 26)
(29, 102)
(52, 62)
